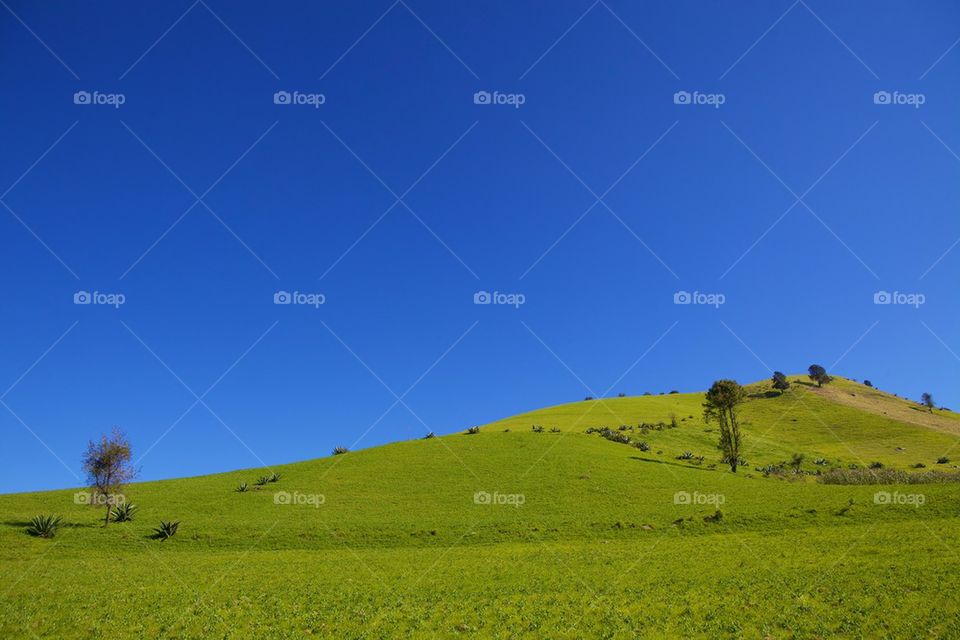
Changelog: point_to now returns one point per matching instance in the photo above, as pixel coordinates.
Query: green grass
(398, 546)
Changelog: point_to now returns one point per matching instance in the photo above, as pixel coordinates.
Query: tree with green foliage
(108, 468)
(927, 400)
(721, 405)
(867, 383)
(780, 382)
(819, 375)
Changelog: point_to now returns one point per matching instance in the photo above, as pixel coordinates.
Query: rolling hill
(512, 532)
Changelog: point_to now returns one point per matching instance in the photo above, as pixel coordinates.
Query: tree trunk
(106, 518)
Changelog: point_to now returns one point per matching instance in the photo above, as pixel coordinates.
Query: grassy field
(512, 533)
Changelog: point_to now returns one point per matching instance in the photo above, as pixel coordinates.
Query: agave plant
(44, 526)
(123, 512)
(340, 450)
(242, 487)
(262, 480)
(473, 430)
(166, 530)
(430, 435)
(274, 477)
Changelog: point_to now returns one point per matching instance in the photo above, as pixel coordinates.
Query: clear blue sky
(817, 196)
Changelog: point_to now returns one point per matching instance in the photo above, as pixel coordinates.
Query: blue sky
(781, 180)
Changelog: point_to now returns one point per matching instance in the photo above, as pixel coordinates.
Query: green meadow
(513, 532)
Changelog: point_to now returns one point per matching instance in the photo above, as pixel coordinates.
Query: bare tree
(108, 468)
(721, 405)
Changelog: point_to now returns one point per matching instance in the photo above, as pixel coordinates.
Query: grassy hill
(514, 533)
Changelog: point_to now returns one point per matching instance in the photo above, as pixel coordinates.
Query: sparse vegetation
(166, 530)
(108, 466)
(819, 375)
(44, 526)
(123, 512)
(721, 404)
(339, 451)
(473, 430)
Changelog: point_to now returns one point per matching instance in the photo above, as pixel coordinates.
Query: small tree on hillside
(927, 400)
(721, 405)
(108, 468)
(867, 383)
(819, 375)
(780, 382)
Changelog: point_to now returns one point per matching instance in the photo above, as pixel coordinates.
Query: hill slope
(509, 532)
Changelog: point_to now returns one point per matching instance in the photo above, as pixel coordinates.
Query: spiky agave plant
(274, 477)
(123, 512)
(44, 526)
(340, 450)
(166, 530)
(262, 480)
(242, 487)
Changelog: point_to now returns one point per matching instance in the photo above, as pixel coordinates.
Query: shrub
(887, 476)
(262, 480)
(337, 451)
(876, 465)
(274, 477)
(716, 517)
(588, 398)
(621, 395)
(820, 462)
(943, 460)
(44, 526)
(919, 465)
(554, 429)
(536, 428)
(615, 436)
(642, 445)
(686, 455)
(242, 487)
(673, 421)
(796, 461)
(166, 530)
(673, 391)
(123, 512)
(430, 435)
(473, 430)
